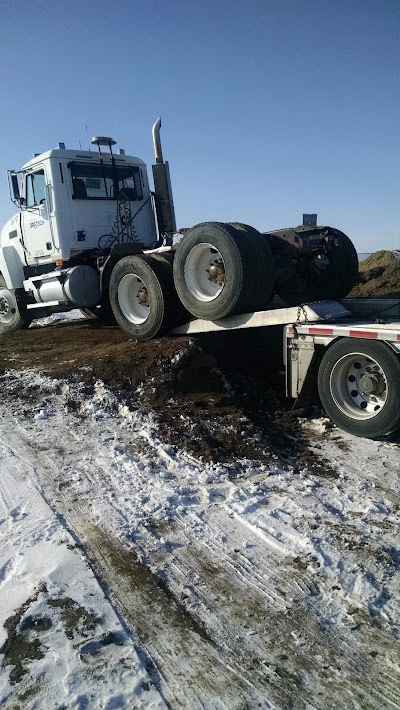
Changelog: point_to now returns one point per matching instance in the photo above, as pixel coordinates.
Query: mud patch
(23, 644)
(75, 619)
(25, 632)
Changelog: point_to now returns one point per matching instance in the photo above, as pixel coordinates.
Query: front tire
(13, 316)
(359, 387)
(142, 296)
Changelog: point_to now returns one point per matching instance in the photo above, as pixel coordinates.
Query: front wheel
(12, 316)
(359, 387)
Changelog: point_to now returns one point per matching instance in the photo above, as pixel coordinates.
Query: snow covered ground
(134, 575)
(75, 314)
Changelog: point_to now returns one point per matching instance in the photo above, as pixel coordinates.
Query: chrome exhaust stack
(164, 201)
(157, 141)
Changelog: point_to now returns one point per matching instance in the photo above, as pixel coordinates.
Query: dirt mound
(379, 276)
(216, 406)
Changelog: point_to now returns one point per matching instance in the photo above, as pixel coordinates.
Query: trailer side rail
(389, 331)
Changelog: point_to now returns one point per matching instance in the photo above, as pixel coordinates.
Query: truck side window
(35, 189)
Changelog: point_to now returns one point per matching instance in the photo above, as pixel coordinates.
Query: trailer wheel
(13, 316)
(216, 271)
(142, 296)
(265, 280)
(359, 387)
(334, 282)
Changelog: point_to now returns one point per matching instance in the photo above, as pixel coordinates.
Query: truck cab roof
(84, 155)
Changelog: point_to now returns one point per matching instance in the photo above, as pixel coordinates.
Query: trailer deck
(275, 315)
(354, 318)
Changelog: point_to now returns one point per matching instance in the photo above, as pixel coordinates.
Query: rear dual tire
(223, 269)
(332, 283)
(264, 266)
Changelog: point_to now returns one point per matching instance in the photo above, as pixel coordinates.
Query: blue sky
(269, 109)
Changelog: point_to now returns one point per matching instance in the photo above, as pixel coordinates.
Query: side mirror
(15, 187)
(15, 196)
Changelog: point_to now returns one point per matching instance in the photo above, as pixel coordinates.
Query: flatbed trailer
(353, 348)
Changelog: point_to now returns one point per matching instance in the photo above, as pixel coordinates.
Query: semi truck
(90, 233)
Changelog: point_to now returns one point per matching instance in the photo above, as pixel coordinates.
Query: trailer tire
(332, 283)
(232, 287)
(13, 315)
(265, 280)
(142, 296)
(359, 387)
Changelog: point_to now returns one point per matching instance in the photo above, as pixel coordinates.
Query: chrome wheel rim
(359, 386)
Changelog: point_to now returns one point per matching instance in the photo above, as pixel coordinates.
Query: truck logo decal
(35, 225)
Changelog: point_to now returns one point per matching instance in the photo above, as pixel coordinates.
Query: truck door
(36, 223)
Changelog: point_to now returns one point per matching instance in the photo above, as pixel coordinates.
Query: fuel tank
(78, 286)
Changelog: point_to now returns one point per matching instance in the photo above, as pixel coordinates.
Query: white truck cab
(68, 203)
(80, 213)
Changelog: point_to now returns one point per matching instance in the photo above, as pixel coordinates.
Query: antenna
(85, 119)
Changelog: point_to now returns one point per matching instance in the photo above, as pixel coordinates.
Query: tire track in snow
(302, 654)
(192, 671)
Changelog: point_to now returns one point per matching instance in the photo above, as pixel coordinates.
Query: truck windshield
(94, 182)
